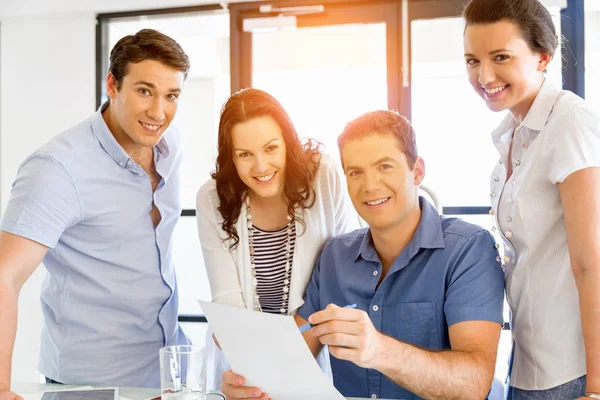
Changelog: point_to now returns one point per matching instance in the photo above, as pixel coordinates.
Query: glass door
(325, 63)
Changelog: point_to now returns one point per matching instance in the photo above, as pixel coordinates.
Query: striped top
(559, 135)
(270, 256)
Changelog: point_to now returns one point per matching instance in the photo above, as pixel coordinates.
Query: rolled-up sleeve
(44, 202)
(476, 282)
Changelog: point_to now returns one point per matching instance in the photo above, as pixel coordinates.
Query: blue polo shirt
(109, 299)
(448, 273)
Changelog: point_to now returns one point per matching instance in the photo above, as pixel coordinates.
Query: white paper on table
(269, 351)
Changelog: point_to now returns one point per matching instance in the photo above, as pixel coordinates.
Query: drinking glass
(183, 374)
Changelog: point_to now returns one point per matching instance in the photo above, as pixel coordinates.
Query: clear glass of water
(183, 374)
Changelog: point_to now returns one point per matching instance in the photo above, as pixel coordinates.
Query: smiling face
(383, 188)
(142, 108)
(502, 68)
(259, 156)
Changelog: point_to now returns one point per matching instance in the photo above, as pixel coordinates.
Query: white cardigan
(229, 272)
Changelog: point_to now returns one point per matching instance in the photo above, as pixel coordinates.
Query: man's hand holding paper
(349, 333)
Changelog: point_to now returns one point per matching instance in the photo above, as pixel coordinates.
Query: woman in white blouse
(545, 193)
(265, 214)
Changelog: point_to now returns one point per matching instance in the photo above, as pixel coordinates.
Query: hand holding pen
(349, 333)
(306, 327)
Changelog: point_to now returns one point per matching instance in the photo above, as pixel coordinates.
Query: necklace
(288, 257)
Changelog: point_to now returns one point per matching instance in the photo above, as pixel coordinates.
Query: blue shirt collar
(429, 235)
(110, 144)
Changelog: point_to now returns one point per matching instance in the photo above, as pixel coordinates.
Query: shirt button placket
(374, 376)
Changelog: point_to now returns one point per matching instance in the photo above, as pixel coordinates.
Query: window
(331, 66)
(319, 75)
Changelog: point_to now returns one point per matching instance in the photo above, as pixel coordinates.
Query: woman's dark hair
(531, 16)
(301, 160)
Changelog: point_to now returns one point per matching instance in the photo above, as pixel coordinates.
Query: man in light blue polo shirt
(98, 204)
(428, 289)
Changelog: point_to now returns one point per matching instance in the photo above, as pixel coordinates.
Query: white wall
(46, 84)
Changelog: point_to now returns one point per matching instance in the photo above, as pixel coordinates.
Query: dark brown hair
(301, 160)
(531, 16)
(146, 44)
(382, 121)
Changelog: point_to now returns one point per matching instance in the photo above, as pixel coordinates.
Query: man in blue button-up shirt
(429, 289)
(98, 205)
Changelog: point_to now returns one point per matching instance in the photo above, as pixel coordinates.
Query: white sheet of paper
(269, 351)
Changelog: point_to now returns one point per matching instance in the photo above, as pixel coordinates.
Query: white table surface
(23, 388)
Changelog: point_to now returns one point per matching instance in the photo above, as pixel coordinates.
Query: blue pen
(306, 327)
